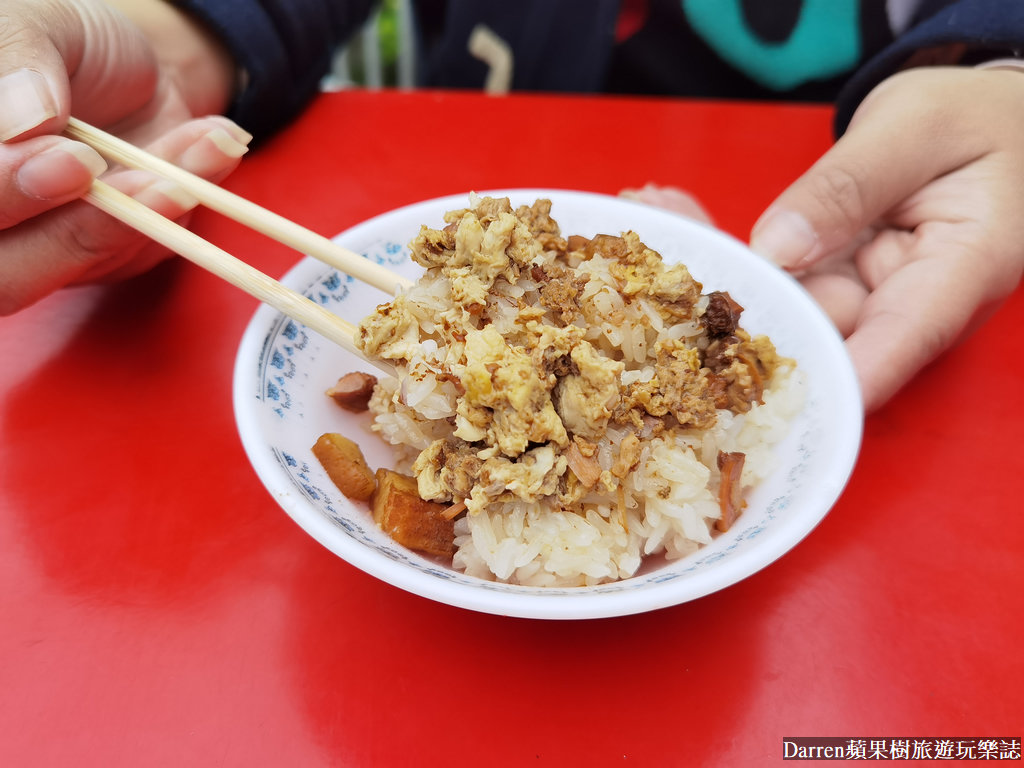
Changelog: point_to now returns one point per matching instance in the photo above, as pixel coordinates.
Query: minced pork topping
(535, 387)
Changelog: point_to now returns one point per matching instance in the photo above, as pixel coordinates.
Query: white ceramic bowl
(282, 370)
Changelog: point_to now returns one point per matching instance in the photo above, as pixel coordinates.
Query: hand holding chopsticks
(222, 264)
(218, 261)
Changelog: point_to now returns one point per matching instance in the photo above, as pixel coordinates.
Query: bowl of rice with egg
(591, 407)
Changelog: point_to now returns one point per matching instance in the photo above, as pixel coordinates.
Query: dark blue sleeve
(988, 29)
(282, 47)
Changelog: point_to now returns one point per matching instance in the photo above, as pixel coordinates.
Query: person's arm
(966, 32)
(281, 50)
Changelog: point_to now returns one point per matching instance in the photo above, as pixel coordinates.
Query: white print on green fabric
(824, 43)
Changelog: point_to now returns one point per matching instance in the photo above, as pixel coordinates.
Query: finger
(76, 243)
(142, 254)
(53, 52)
(66, 245)
(902, 138)
(114, 72)
(34, 89)
(210, 147)
(39, 174)
(841, 296)
(671, 199)
(42, 173)
(889, 252)
(909, 319)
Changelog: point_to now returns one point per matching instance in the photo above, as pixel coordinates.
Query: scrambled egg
(524, 324)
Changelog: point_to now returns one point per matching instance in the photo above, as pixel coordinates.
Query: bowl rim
(525, 602)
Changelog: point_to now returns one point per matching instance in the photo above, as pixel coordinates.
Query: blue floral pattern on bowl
(282, 371)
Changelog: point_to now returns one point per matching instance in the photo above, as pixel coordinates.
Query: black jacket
(834, 50)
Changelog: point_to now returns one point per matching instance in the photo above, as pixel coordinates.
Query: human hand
(144, 76)
(909, 230)
(671, 199)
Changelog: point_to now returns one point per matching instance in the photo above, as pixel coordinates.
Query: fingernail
(57, 171)
(200, 156)
(227, 143)
(150, 195)
(785, 238)
(25, 102)
(237, 132)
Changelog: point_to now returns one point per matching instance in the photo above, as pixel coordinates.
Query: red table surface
(159, 609)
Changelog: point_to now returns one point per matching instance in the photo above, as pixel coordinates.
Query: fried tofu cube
(408, 519)
(345, 465)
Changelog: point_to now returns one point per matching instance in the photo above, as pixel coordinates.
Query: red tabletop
(159, 609)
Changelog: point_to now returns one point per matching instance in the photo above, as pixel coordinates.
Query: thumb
(34, 87)
(51, 52)
(897, 143)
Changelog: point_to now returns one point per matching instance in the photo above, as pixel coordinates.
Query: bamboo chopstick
(226, 266)
(238, 208)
